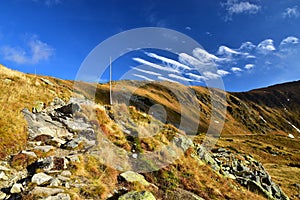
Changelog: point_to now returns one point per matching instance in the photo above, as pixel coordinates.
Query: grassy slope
(19, 90)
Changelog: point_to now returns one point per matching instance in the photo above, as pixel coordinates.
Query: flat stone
(29, 153)
(131, 176)
(46, 191)
(16, 188)
(41, 178)
(60, 196)
(62, 178)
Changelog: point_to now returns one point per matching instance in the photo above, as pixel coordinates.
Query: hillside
(258, 123)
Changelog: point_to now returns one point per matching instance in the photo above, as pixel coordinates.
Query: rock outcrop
(244, 169)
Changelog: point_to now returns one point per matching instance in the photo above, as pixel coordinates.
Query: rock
(44, 149)
(291, 136)
(3, 176)
(55, 182)
(66, 173)
(63, 178)
(41, 178)
(38, 107)
(69, 109)
(144, 195)
(2, 195)
(16, 188)
(47, 81)
(3, 168)
(183, 142)
(29, 153)
(131, 177)
(73, 158)
(46, 191)
(60, 196)
(54, 163)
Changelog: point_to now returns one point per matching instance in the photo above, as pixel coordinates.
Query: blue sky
(252, 43)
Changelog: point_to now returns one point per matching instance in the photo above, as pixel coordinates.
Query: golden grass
(19, 91)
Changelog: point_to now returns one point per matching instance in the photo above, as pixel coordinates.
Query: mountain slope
(257, 123)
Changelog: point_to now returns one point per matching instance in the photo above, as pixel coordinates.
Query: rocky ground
(57, 139)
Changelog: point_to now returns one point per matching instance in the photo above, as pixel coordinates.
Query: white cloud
(223, 50)
(247, 46)
(243, 7)
(211, 75)
(289, 40)
(236, 69)
(249, 66)
(180, 78)
(37, 51)
(166, 79)
(146, 71)
(196, 77)
(169, 61)
(291, 12)
(234, 7)
(188, 28)
(143, 77)
(203, 56)
(156, 66)
(222, 72)
(266, 46)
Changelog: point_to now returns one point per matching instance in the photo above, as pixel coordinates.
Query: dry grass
(19, 91)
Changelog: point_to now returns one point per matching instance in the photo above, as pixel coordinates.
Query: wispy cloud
(181, 78)
(156, 66)
(35, 52)
(291, 12)
(143, 77)
(222, 72)
(196, 77)
(169, 61)
(235, 7)
(166, 79)
(146, 71)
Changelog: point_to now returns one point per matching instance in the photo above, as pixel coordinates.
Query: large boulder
(132, 177)
(41, 178)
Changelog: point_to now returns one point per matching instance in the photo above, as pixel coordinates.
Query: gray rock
(3, 168)
(41, 178)
(46, 191)
(66, 173)
(55, 182)
(60, 196)
(144, 195)
(131, 177)
(16, 188)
